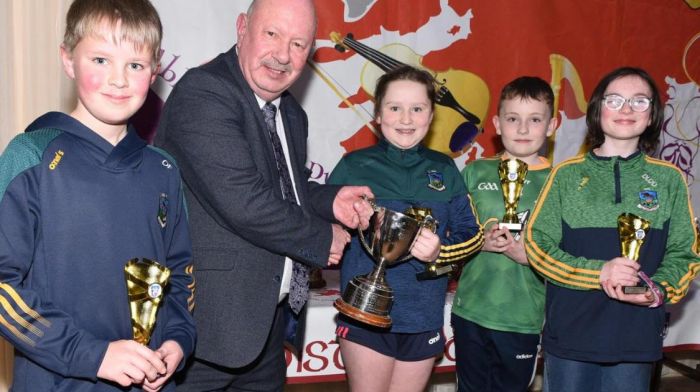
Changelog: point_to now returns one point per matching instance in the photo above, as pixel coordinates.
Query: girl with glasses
(598, 337)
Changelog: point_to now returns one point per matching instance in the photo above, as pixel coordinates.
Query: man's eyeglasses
(637, 104)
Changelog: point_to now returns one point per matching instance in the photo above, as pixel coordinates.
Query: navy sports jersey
(400, 179)
(73, 210)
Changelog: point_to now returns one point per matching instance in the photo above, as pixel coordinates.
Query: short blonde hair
(137, 21)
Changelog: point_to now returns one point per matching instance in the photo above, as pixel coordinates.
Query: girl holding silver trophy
(598, 334)
(408, 177)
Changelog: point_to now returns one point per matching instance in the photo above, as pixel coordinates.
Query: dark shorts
(490, 360)
(408, 347)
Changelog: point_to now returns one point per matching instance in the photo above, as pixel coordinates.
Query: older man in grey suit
(257, 223)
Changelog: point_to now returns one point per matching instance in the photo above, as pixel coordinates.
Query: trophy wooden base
(511, 226)
(362, 316)
(635, 289)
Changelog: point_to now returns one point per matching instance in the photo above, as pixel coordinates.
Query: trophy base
(511, 226)
(635, 289)
(359, 315)
(368, 301)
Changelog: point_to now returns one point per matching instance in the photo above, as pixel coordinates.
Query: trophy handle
(363, 241)
(429, 223)
(377, 275)
(376, 209)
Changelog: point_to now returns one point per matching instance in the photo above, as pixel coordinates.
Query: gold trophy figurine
(632, 230)
(512, 173)
(145, 283)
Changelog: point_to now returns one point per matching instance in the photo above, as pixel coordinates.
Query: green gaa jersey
(573, 232)
(494, 291)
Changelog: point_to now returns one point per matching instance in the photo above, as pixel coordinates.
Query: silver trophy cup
(388, 239)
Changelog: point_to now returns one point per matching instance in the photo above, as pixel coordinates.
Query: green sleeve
(24, 151)
(466, 175)
(543, 235)
(680, 264)
(339, 175)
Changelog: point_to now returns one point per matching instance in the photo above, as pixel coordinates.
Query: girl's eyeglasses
(637, 104)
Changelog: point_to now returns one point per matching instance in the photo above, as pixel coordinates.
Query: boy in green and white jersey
(498, 310)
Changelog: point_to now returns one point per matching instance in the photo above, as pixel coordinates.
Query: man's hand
(340, 238)
(127, 362)
(350, 207)
(427, 246)
(171, 353)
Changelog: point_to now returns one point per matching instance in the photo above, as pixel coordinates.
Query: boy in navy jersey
(80, 195)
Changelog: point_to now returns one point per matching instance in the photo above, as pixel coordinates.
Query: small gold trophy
(512, 173)
(632, 230)
(145, 284)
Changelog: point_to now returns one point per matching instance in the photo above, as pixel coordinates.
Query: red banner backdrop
(570, 43)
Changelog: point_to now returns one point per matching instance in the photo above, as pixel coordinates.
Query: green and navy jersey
(573, 233)
(73, 210)
(400, 179)
(494, 291)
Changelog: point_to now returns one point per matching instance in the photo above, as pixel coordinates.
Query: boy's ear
(155, 74)
(552, 126)
(67, 60)
(496, 123)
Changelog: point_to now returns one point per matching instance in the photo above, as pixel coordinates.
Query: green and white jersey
(494, 291)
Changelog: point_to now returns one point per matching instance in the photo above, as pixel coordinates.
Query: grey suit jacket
(241, 226)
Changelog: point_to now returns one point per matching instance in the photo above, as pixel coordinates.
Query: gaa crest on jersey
(163, 210)
(648, 200)
(435, 180)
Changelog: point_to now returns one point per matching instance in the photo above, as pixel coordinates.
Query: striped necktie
(299, 285)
